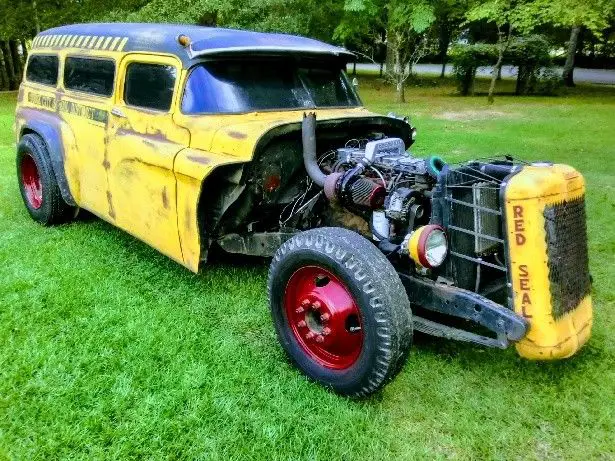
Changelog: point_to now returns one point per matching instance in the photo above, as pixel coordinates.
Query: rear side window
(94, 76)
(149, 85)
(43, 69)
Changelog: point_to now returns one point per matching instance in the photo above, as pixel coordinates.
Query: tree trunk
(35, 19)
(4, 78)
(494, 75)
(8, 64)
(381, 69)
(400, 95)
(14, 47)
(389, 61)
(567, 74)
(24, 52)
(444, 41)
(399, 70)
(354, 68)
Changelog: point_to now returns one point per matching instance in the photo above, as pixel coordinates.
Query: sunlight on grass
(110, 350)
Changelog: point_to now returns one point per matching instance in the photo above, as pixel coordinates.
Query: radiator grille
(567, 254)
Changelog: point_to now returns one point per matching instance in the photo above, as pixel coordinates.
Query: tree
(510, 17)
(450, 15)
(406, 23)
(593, 15)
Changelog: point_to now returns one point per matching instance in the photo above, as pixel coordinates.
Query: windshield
(245, 86)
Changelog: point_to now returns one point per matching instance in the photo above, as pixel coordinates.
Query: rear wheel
(38, 184)
(340, 310)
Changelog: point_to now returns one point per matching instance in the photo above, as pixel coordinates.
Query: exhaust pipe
(308, 136)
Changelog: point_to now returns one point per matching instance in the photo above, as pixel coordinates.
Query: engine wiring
(299, 199)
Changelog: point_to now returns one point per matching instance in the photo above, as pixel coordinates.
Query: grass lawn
(110, 350)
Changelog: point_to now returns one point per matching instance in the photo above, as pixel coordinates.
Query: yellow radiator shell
(526, 195)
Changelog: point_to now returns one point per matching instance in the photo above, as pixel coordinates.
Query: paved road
(580, 75)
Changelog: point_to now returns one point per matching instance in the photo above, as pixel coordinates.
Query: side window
(43, 69)
(149, 85)
(89, 75)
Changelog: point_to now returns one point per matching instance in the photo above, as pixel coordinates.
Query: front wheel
(37, 183)
(340, 310)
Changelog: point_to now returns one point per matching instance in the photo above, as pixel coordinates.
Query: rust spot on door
(237, 135)
(188, 221)
(201, 160)
(110, 202)
(165, 198)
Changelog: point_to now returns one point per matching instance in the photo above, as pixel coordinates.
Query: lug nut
(326, 331)
(305, 302)
(316, 305)
(309, 335)
(320, 339)
(325, 317)
(300, 310)
(301, 324)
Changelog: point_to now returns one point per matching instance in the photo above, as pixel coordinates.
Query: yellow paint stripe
(44, 40)
(122, 44)
(99, 43)
(55, 40)
(48, 40)
(114, 43)
(87, 41)
(67, 40)
(78, 41)
(61, 40)
(93, 42)
(34, 42)
(106, 43)
(71, 42)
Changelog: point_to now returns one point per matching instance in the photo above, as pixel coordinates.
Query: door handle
(118, 112)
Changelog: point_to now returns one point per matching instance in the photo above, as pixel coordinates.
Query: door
(84, 104)
(143, 141)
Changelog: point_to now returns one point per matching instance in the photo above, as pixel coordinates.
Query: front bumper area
(507, 325)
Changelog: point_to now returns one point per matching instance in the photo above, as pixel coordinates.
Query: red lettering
(524, 286)
(519, 225)
(520, 239)
(518, 211)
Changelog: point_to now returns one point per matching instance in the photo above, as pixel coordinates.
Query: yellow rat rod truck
(188, 137)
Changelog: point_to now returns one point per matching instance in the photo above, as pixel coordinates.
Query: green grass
(110, 350)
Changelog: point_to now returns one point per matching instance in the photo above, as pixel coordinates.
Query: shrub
(548, 82)
(531, 55)
(467, 59)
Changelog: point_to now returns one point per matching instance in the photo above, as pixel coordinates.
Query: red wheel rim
(323, 317)
(31, 181)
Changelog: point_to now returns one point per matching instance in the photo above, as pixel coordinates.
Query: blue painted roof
(205, 41)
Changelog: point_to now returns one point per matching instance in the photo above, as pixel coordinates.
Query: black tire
(48, 208)
(372, 282)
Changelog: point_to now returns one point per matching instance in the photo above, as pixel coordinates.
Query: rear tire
(340, 310)
(38, 185)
